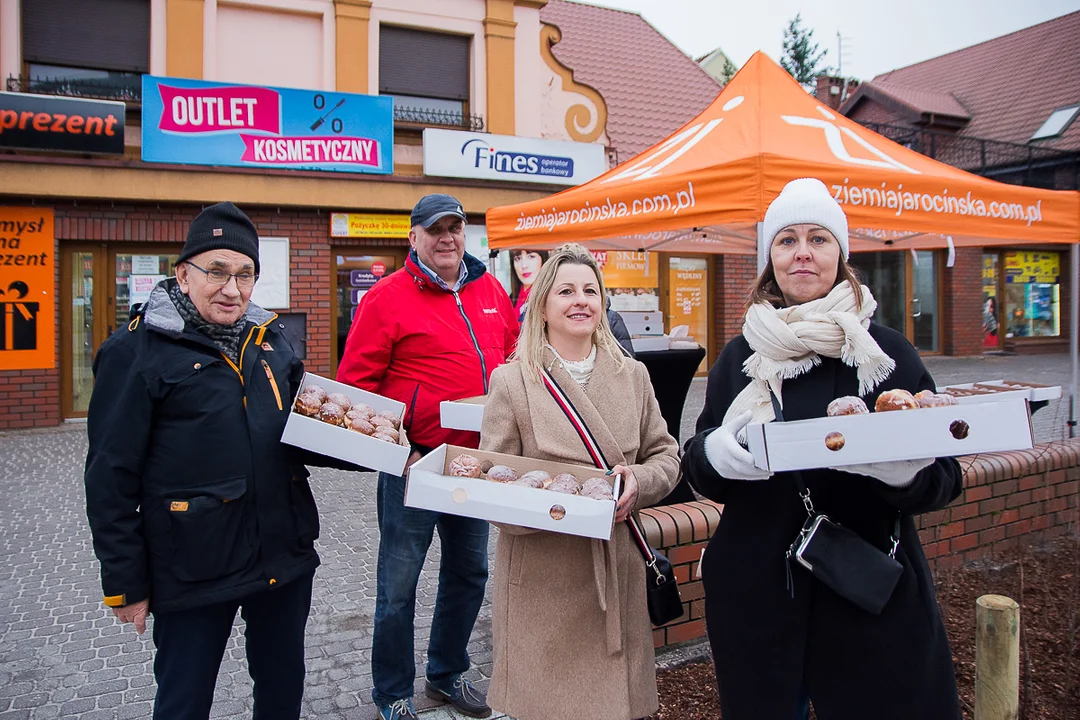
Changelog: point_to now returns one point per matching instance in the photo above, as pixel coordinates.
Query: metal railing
(1004, 161)
(103, 89)
(441, 118)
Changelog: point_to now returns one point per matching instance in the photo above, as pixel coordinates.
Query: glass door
(356, 271)
(885, 273)
(80, 331)
(135, 274)
(924, 301)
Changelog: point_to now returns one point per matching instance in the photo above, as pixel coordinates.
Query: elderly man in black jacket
(195, 506)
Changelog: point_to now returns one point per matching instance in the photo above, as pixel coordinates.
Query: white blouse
(579, 370)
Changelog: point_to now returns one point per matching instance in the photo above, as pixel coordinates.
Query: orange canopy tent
(705, 188)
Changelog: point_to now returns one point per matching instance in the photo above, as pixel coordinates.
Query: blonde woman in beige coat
(571, 628)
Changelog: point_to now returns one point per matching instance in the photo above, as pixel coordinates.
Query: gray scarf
(226, 337)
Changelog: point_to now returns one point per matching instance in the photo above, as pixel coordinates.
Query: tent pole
(1074, 330)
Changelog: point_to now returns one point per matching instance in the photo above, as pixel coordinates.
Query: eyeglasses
(217, 276)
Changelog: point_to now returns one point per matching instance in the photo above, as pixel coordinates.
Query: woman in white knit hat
(778, 634)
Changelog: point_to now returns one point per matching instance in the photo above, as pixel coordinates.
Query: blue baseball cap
(432, 207)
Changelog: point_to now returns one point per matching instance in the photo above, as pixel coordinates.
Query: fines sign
(27, 293)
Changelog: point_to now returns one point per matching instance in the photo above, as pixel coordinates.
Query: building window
(1032, 294)
(427, 73)
(88, 49)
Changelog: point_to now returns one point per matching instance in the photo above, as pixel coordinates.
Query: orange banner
(27, 289)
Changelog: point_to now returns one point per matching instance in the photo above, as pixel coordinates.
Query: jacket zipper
(273, 382)
(476, 345)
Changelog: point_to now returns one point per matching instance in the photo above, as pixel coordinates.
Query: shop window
(632, 279)
(991, 315)
(427, 73)
(87, 49)
(1032, 294)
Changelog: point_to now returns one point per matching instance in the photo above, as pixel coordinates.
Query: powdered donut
(392, 421)
(382, 420)
(928, 398)
(541, 475)
(364, 409)
(847, 405)
(358, 423)
(332, 413)
(388, 431)
(384, 437)
(502, 473)
(565, 483)
(528, 480)
(596, 488)
(308, 405)
(317, 391)
(895, 400)
(465, 466)
(340, 399)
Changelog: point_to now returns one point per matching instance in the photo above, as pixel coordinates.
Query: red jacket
(417, 343)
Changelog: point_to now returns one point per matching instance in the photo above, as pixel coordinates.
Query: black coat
(770, 647)
(191, 496)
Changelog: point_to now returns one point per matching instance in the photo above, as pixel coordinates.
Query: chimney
(829, 90)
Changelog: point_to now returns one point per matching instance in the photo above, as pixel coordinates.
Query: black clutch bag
(846, 563)
(662, 592)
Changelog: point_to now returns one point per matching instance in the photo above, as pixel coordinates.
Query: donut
(388, 432)
(596, 488)
(502, 474)
(332, 413)
(929, 398)
(895, 400)
(529, 480)
(565, 483)
(541, 475)
(308, 405)
(364, 409)
(386, 420)
(358, 423)
(847, 405)
(465, 466)
(340, 399)
(317, 391)
(384, 437)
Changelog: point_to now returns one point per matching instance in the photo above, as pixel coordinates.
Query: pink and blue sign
(204, 123)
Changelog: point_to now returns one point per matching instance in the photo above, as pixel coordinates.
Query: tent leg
(1074, 330)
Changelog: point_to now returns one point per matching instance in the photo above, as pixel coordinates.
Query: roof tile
(650, 86)
(1008, 85)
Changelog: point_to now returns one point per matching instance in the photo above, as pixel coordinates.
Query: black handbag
(662, 592)
(839, 557)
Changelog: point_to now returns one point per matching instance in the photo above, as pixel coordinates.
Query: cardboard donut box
(429, 486)
(964, 429)
(335, 441)
(464, 414)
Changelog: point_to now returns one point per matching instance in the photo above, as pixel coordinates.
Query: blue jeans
(405, 536)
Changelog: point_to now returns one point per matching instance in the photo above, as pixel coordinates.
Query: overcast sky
(877, 36)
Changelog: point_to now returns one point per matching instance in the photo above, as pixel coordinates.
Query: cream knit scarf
(790, 341)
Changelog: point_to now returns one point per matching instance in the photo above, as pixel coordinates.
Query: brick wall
(32, 397)
(961, 304)
(1027, 497)
(731, 286)
(871, 111)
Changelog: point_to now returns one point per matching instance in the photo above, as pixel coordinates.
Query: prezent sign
(452, 153)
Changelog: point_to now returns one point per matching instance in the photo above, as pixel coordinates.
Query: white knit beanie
(805, 201)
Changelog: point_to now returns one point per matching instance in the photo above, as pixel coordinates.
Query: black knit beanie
(222, 227)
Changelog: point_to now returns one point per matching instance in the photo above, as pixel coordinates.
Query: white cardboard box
(427, 487)
(887, 436)
(317, 436)
(1035, 391)
(645, 344)
(464, 414)
(990, 394)
(643, 323)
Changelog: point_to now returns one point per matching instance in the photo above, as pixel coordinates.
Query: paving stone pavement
(62, 654)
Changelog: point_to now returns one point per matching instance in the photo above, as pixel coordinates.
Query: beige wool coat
(571, 632)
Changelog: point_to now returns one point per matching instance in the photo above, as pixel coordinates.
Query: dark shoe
(398, 710)
(462, 695)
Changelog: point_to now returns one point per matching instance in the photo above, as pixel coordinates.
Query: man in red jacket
(431, 331)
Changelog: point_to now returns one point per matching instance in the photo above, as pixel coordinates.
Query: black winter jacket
(191, 496)
(772, 644)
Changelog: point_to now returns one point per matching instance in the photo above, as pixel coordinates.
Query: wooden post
(997, 658)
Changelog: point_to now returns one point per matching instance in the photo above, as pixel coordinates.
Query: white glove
(897, 474)
(728, 457)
